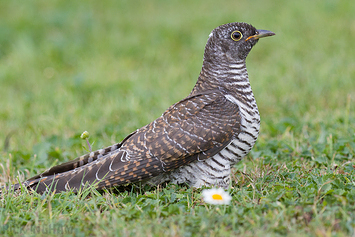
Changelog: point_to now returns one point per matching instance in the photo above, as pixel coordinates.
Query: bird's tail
(49, 179)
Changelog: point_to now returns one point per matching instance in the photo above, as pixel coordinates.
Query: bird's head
(232, 42)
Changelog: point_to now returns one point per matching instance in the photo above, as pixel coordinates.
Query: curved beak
(260, 34)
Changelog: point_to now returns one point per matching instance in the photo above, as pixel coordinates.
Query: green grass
(110, 67)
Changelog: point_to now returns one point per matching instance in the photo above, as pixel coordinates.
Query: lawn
(110, 67)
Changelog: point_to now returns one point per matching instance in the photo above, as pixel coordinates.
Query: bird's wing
(193, 129)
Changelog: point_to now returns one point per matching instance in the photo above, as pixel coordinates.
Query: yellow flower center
(217, 197)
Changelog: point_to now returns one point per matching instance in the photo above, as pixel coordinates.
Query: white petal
(208, 196)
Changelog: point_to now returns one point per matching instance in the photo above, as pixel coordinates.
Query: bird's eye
(236, 35)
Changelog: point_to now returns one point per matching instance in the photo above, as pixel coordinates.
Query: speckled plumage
(195, 141)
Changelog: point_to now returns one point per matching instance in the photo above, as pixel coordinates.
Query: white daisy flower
(216, 196)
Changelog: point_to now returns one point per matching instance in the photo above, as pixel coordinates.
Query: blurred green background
(110, 67)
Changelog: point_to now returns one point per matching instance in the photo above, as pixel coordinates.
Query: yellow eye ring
(236, 35)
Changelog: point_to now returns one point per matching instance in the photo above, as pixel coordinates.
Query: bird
(196, 141)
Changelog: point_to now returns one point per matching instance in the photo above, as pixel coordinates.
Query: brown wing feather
(195, 128)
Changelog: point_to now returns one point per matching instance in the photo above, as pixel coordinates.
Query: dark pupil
(236, 35)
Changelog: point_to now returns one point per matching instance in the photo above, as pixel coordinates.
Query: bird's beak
(260, 34)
